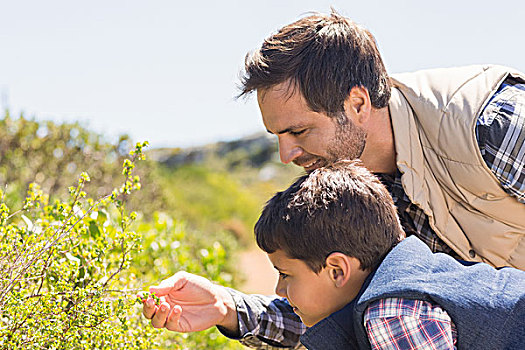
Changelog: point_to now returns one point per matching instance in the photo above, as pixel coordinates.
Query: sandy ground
(259, 274)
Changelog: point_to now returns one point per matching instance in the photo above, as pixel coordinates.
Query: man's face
(304, 289)
(306, 138)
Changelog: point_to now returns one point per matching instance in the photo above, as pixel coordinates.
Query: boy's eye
(282, 275)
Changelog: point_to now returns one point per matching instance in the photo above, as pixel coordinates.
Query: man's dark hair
(324, 56)
(339, 208)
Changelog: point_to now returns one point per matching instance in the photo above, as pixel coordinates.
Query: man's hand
(190, 303)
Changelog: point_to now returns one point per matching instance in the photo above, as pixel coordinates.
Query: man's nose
(288, 150)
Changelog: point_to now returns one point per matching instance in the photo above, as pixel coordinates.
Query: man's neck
(379, 155)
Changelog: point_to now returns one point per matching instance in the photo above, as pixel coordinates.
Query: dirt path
(260, 276)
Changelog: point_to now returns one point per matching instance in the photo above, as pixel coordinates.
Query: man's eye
(297, 133)
(282, 275)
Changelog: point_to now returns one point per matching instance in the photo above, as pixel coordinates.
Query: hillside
(223, 185)
(257, 152)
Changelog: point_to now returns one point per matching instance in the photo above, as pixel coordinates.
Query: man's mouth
(310, 165)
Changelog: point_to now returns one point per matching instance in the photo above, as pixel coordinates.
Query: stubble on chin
(348, 144)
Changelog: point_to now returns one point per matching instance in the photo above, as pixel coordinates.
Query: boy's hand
(189, 303)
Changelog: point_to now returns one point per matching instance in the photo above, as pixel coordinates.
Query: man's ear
(340, 267)
(358, 105)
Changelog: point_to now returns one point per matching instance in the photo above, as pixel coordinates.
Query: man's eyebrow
(288, 129)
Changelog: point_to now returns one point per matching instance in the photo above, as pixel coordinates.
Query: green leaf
(102, 217)
(93, 229)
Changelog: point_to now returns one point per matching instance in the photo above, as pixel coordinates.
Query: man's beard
(349, 142)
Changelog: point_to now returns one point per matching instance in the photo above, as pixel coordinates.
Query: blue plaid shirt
(267, 323)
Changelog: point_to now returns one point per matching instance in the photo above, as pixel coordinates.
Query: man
(448, 143)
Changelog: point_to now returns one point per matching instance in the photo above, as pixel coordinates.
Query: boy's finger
(173, 323)
(149, 308)
(161, 315)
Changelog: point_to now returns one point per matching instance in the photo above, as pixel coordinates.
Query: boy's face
(312, 296)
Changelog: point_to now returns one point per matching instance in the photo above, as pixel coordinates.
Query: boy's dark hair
(339, 208)
(325, 56)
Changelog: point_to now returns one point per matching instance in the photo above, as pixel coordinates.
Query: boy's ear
(340, 267)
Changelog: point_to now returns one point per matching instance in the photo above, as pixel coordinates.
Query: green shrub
(61, 268)
(169, 246)
(70, 270)
(53, 155)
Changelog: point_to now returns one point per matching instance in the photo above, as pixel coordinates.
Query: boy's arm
(190, 303)
(265, 322)
(395, 323)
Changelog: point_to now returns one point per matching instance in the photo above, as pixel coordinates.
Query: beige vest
(434, 116)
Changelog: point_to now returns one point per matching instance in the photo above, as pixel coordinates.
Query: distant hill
(255, 150)
(254, 153)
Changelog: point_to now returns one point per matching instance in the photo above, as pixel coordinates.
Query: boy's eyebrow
(277, 268)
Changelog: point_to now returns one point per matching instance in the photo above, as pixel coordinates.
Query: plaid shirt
(396, 324)
(268, 323)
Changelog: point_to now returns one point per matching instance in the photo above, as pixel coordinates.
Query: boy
(346, 269)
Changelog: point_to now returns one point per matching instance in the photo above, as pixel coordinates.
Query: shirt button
(472, 253)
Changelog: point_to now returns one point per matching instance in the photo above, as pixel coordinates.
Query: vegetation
(60, 263)
(53, 155)
(223, 186)
(72, 258)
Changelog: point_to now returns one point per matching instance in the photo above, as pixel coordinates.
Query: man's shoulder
(453, 77)
(453, 70)
(449, 77)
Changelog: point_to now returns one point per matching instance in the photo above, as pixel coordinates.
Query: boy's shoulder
(476, 296)
(411, 266)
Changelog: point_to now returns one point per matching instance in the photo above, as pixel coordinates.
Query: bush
(70, 270)
(53, 155)
(60, 266)
(169, 246)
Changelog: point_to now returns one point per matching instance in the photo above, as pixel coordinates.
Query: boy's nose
(280, 290)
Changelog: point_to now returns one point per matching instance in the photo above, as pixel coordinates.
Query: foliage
(169, 246)
(60, 265)
(70, 270)
(211, 200)
(53, 155)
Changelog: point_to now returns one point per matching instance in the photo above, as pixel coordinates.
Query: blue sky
(166, 71)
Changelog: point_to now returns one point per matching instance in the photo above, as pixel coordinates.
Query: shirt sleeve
(266, 322)
(395, 323)
(500, 131)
